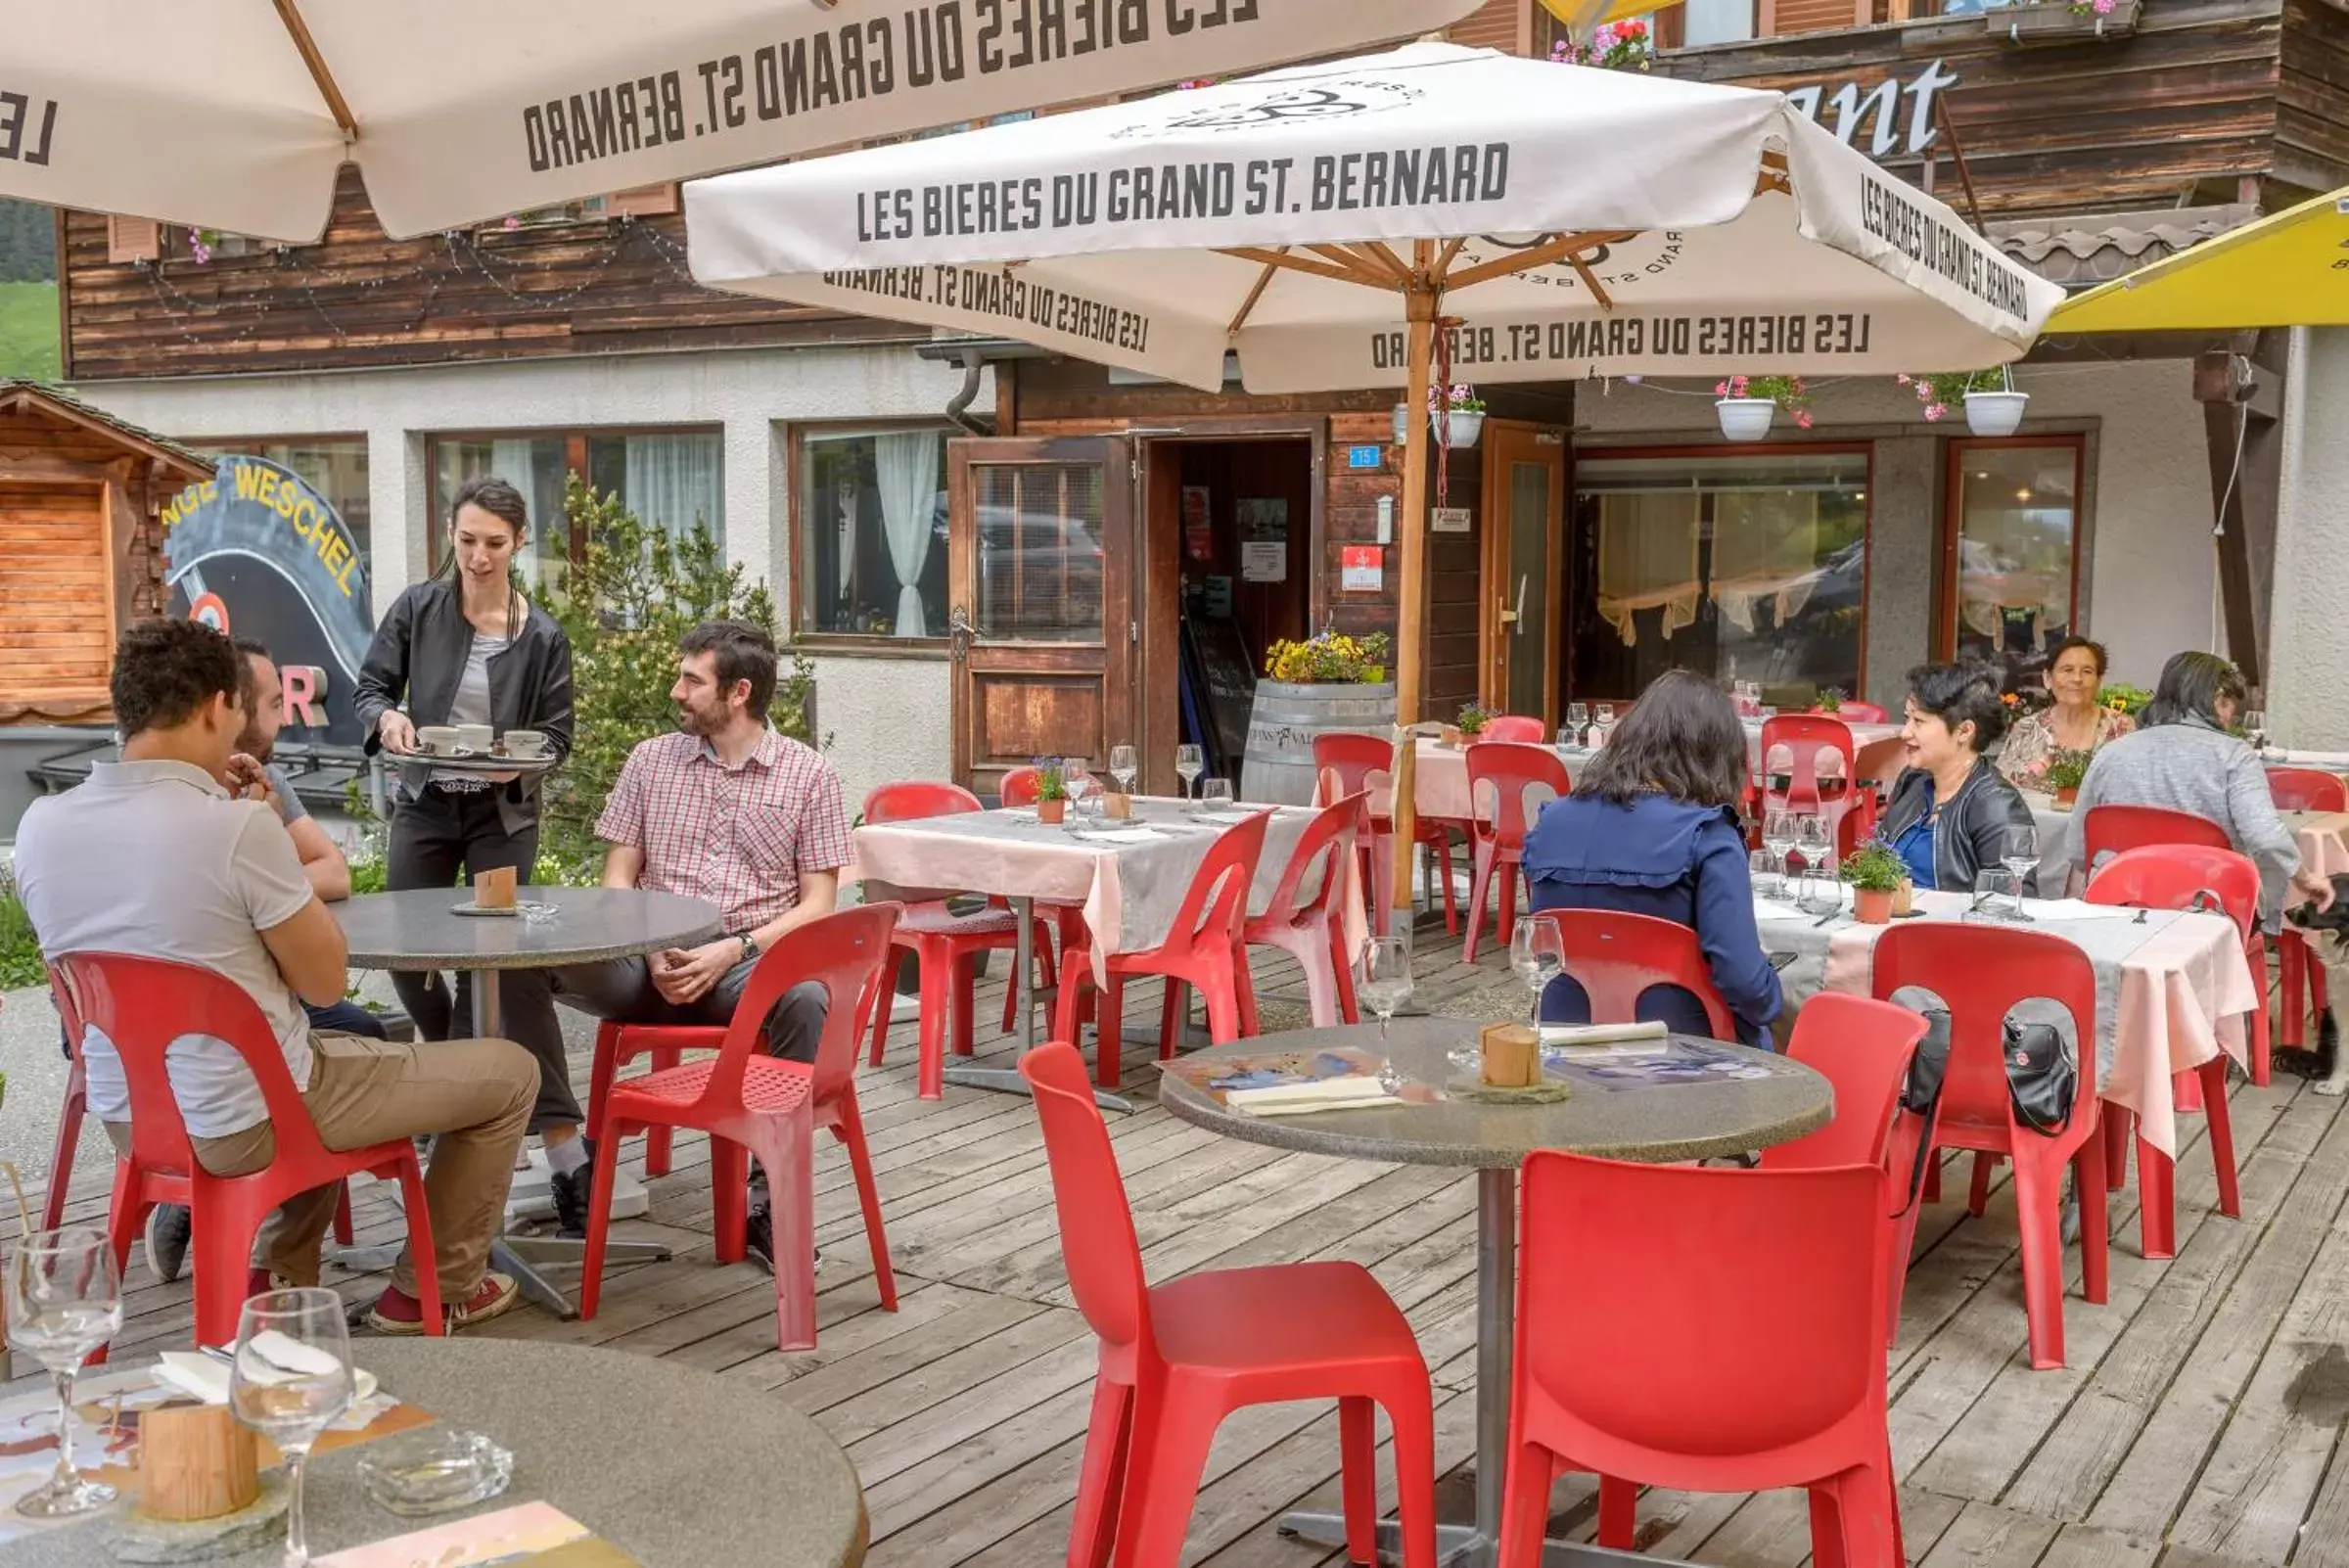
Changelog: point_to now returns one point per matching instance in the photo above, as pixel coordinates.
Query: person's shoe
(168, 1232)
(396, 1312)
(570, 1190)
(759, 1240)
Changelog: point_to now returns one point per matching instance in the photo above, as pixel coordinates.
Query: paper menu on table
(532, 1533)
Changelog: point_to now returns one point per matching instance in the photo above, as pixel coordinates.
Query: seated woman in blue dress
(1651, 829)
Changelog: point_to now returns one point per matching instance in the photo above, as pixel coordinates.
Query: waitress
(465, 647)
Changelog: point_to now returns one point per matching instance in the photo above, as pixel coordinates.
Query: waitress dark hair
(1680, 739)
(502, 501)
(2190, 688)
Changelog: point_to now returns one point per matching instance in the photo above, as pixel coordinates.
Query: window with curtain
(1738, 568)
(872, 533)
(533, 464)
(334, 466)
(670, 478)
(2017, 520)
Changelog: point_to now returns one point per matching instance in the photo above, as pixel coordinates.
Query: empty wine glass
(1387, 984)
(1578, 719)
(1537, 956)
(63, 1302)
(1189, 763)
(290, 1381)
(1813, 842)
(2019, 854)
(1605, 716)
(2255, 728)
(1777, 838)
(1215, 795)
(1125, 766)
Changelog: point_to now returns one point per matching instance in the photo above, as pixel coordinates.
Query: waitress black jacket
(419, 653)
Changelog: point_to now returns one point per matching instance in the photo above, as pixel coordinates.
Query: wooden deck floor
(2198, 1425)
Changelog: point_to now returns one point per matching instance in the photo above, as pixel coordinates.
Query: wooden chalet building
(1095, 533)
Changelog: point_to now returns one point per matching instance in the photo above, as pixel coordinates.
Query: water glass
(1536, 954)
(1215, 795)
(1125, 766)
(290, 1381)
(1762, 870)
(64, 1301)
(1995, 895)
(1189, 763)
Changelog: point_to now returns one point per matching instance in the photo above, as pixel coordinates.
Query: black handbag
(2043, 1076)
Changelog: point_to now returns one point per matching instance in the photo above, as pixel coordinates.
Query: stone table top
(676, 1468)
(1659, 1124)
(415, 930)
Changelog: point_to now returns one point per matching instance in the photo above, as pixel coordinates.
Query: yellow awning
(1580, 15)
(2288, 270)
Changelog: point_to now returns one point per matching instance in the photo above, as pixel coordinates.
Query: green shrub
(20, 952)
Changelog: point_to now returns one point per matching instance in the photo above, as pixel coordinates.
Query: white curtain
(905, 464)
(1764, 546)
(1647, 558)
(514, 460)
(676, 481)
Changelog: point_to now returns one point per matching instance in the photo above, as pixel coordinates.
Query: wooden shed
(82, 547)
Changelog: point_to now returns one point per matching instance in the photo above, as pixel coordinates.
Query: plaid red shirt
(739, 837)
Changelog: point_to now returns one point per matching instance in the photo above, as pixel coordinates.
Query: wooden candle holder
(494, 890)
(1511, 1055)
(194, 1462)
(1119, 807)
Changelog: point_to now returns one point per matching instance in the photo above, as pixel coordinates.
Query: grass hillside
(29, 344)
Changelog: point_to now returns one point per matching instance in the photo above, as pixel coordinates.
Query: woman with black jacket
(1950, 810)
(467, 648)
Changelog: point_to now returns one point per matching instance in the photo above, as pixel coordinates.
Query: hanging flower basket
(1745, 419)
(1464, 425)
(2053, 22)
(1995, 413)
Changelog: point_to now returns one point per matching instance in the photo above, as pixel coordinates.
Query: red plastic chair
(751, 1104)
(1176, 1358)
(2171, 877)
(946, 946)
(1516, 729)
(1351, 763)
(1625, 1364)
(1019, 787)
(1864, 1048)
(2112, 829)
(142, 1006)
(2304, 989)
(1311, 926)
(1980, 973)
(1507, 770)
(1202, 950)
(1807, 737)
(1617, 958)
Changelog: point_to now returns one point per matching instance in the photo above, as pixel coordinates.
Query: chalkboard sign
(1228, 677)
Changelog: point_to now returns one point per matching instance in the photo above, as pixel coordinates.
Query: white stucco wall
(2149, 563)
(888, 718)
(2309, 633)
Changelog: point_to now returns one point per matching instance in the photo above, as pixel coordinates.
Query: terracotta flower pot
(2065, 797)
(1051, 810)
(1872, 906)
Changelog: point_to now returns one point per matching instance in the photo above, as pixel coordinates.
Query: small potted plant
(1051, 791)
(2064, 771)
(1875, 873)
(1456, 413)
(1830, 701)
(1747, 404)
(1465, 730)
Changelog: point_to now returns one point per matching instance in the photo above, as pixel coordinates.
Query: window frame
(796, 437)
(1953, 524)
(574, 439)
(1865, 449)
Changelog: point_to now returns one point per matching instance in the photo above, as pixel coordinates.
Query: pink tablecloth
(2178, 990)
(2324, 840)
(1130, 893)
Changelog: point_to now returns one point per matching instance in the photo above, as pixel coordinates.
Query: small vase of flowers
(1469, 726)
(1051, 791)
(1874, 872)
(2062, 773)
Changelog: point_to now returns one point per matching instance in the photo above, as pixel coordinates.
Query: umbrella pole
(1411, 577)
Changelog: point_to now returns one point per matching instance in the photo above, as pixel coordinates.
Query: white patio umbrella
(236, 114)
(1561, 222)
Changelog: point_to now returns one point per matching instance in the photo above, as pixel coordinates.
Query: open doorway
(1231, 561)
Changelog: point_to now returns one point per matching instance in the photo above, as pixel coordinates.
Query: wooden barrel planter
(1278, 767)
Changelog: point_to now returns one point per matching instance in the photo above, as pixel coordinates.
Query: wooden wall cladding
(360, 298)
(2206, 90)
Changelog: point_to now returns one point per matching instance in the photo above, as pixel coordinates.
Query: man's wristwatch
(750, 947)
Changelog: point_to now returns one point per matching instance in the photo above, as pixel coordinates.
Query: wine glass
(2255, 728)
(1189, 763)
(1534, 954)
(2019, 854)
(63, 1302)
(1605, 716)
(1215, 795)
(1125, 766)
(291, 1380)
(1578, 719)
(1777, 838)
(1813, 844)
(1387, 984)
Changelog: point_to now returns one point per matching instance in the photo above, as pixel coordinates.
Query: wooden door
(1041, 617)
(56, 597)
(1523, 623)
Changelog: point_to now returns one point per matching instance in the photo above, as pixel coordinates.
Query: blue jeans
(346, 1016)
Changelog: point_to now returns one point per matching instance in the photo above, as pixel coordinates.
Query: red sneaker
(396, 1312)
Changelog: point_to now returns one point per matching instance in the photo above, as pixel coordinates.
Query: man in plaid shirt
(728, 810)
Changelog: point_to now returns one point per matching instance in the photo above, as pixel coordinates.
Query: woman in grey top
(2183, 760)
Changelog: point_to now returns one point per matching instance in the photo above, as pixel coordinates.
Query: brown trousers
(474, 1094)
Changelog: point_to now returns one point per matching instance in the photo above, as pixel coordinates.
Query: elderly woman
(2075, 722)
(1651, 829)
(2183, 760)
(1951, 812)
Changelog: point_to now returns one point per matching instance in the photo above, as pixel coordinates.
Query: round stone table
(418, 930)
(1663, 1123)
(672, 1465)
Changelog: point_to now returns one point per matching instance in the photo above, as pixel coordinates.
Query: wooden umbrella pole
(1420, 299)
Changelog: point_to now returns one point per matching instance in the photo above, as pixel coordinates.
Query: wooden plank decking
(2198, 1425)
